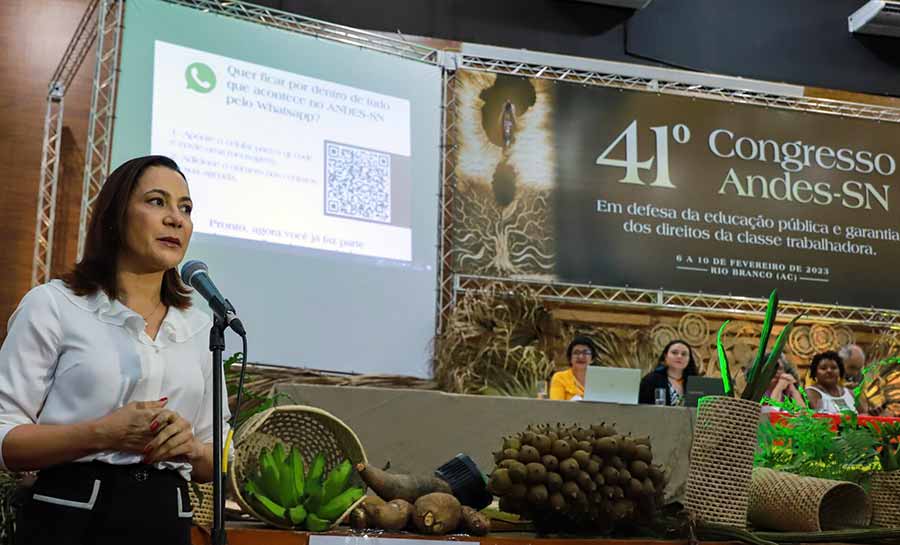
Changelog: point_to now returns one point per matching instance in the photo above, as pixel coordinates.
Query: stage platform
(418, 430)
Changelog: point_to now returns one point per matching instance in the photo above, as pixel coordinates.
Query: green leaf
(756, 387)
(890, 460)
(237, 357)
(807, 445)
(724, 369)
(768, 323)
(869, 371)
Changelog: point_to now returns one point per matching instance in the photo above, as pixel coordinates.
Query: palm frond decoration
(622, 348)
(496, 341)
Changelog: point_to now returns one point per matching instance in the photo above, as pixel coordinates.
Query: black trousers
(95, 503)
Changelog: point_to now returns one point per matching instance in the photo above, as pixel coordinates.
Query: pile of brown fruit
(573, 478)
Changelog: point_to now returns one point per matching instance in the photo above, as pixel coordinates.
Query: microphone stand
(217, 346)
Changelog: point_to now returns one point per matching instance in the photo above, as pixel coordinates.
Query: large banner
(598, 185)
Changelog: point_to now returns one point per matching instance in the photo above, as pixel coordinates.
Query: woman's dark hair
(106, 235)
(582, 340)
(691, 368)
(829, 355)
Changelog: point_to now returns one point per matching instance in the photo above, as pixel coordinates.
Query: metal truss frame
(587, 294)
(103, 104)
(76, 51)
(47, 188)
(756, 98)
(448, 184)
(314, 27)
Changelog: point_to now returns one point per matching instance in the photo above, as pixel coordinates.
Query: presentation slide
(281, 157)
(314, 168)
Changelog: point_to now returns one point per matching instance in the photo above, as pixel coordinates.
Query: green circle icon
(200, 77)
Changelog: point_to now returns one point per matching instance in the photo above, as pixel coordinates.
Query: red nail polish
(147, 449)
(153, 426)
(164, 399)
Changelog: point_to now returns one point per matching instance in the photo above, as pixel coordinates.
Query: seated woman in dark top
(675, 364)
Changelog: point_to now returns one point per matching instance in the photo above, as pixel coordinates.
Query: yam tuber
(437, 513)
(474, 522)
(395, 486)
(393, 515)
(359, 520)
(368, 504)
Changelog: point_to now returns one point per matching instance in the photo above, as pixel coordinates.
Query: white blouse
(836, 404)
(69, 359)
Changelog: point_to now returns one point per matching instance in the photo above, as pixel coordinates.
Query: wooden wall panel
(33, 37)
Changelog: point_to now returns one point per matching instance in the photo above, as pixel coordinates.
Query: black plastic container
(466, 481)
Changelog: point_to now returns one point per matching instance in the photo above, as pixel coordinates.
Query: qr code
(357, 183)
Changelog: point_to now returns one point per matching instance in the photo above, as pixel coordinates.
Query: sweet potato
(437, 513)
(395, 486)
(474, 522)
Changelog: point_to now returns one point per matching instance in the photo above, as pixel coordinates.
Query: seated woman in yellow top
(569, 384)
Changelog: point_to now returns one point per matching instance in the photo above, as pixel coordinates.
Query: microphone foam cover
(190, 268)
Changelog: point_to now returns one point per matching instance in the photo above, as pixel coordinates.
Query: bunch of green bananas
(303, 496)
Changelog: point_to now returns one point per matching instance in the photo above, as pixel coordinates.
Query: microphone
(196, 275)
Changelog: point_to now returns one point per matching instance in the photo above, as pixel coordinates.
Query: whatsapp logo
(200, 77)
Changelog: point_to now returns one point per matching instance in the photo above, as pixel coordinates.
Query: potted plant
(724, 442)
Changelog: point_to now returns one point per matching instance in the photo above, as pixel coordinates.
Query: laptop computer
(697, 387)
(612, 385)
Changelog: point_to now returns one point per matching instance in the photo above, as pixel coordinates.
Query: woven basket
(202, 508)
(885, 494)
(791, 503)
(309, 429)
(721, 462)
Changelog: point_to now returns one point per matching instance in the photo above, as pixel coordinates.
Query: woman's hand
(127, 429)
(174, 439)
(791, 387)
(787, 378)
(783, 383)
(792, 391)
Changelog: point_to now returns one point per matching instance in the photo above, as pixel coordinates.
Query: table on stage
(257, 534)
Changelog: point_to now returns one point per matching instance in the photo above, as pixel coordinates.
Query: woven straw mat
(885, 494)
(791, 503)
(722, 460)
(309, 429)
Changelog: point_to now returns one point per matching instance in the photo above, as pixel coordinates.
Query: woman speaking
(106, 377)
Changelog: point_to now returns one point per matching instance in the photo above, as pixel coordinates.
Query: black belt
(138, 472)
